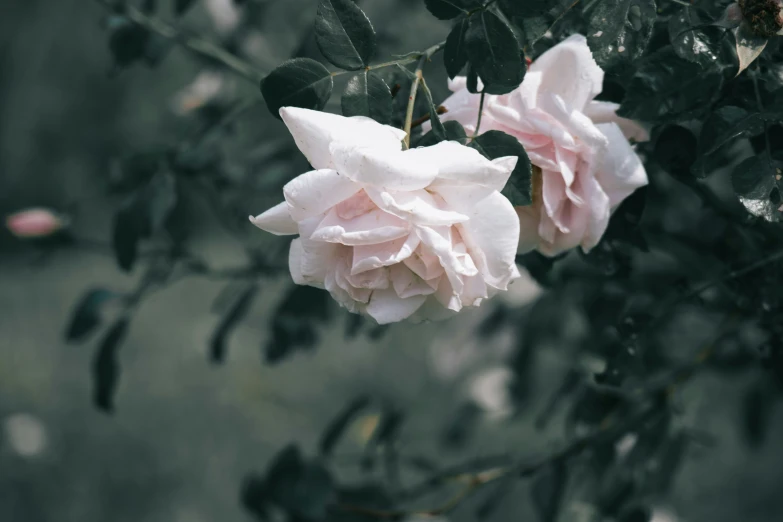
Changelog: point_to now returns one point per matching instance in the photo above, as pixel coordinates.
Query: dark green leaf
(618, 30)
(149, 6)
(235, 314)
(331, 436)
(525, 8)
(756, 409)
(437, 126)
(691, 40)
(497, 144)
(494, 54)
(755, 182)
(676, 150)
(181, 6)
(344, 34)
(454, 132)
(669, 462)
(294, 322)
(472, 80)
(637, 514)
(143, 214)
(455, 55)
(547, 491)
(106, 368)
(302, 488)
(87, 314)
(448, 9)
(667, 88)
(254, 496)
(127, 40)
(366, 94)
(300, 82)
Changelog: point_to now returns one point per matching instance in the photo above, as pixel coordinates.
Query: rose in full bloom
(35, 223)
(394, 233)
(585, 164)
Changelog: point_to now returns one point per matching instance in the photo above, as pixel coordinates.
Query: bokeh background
(185, 431)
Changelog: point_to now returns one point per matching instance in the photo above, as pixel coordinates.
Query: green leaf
(235, 314)
(300, 82)
(437, 125)
(547, 491)
(302, 488)
(106, 368)
(143, 214)
(295, 320)
(182, 6)
(454, 132)
(494, 54)
(87, 314)
(455, 55)
(497, 144)
(676, 150)
(127, 40)
(755, 181)
(332, 434)
(448, 9)
(618, 30)
(724, 125)
(525, 8)
(756, 408)
(667, 88)
(366, 94)
(690, 38)
(344, 34)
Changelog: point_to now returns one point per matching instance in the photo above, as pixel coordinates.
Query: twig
(480, 112)
(420, 121)
(425, 56)
(194, 43)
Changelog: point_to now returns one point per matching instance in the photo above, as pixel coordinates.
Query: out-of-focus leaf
(461, 427)
(756, 183)
(669, 462)
(254, 496)
(494, 54)
(618, 30)
(305, 489)
(366, 94)
(437, 126)
(86, 314)
(448, 9)
(547, 491)
(756, 408)
(295, 321)
(455, 55)
(182, 6)
(497, 144)
(676, 150)
(331, 436)
(344, 34)
(666, 88)
(525, 8)
(106, 367)
(217, 345)
(143, 214)
(127, 40)
(299, 82)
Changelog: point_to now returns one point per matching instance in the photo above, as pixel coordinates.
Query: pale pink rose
(394, 233)
(587, 166)
(35, 222)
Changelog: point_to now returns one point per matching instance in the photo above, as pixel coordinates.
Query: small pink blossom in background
(391, 233)
(35, 222)
(587, 166)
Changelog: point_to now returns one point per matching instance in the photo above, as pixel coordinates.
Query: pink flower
(394, 233)
(34, 223)
(586, 165)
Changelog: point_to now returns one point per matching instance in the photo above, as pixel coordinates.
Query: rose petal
(383, 169)
(387, 307)
(315, 131)
(569, 71)
(371, 228)
(368, 257)
(606, 112)
(317, 191)
(417, 207)
(458, 164)
(622, 171)
(277, 220)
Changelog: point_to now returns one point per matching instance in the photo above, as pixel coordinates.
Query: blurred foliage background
(186, 432)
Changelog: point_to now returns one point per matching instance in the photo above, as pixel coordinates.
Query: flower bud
(763, 16)
(35, 223)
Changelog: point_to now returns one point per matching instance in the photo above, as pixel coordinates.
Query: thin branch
(480, 112)
(193, 43)
(420, 121)
(425, 56)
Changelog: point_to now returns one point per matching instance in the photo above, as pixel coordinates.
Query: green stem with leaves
(195, 44)
(419, 75)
